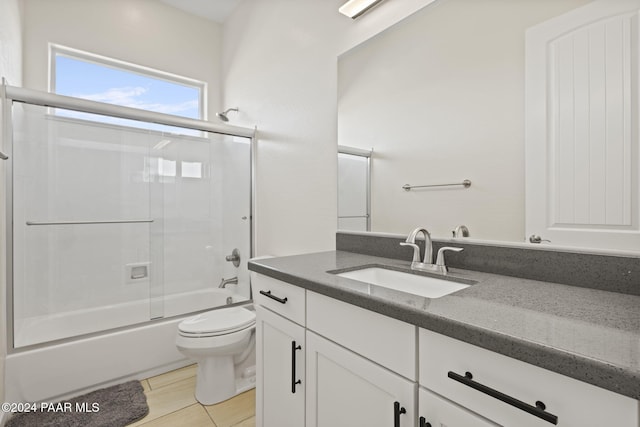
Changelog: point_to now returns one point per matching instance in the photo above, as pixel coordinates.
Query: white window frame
(57, 49)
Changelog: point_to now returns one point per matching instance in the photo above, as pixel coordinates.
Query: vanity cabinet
(280, 354)
(326, 363)
(342, 359)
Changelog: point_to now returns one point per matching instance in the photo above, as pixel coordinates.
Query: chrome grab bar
(128, 221)
(466, 184)
(3, 156)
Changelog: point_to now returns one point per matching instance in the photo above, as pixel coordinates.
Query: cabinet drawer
(574, 403)
(384, 340)
(283, 298)
(436, 411)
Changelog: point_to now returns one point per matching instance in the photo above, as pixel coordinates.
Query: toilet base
(216, 382)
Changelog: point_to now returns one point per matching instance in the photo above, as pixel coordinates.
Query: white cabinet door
(347, 390)
(438, 412)
(280, 371)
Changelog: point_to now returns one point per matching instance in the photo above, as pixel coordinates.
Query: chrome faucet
(426, 263)
(428, 249)
(461, 231)
(224, 282)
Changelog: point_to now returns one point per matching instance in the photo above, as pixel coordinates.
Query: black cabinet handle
(538, 410)
(397, 411)
(294, 347)
(273, 297)
(424, 423)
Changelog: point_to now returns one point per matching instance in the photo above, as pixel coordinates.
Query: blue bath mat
(114, 406)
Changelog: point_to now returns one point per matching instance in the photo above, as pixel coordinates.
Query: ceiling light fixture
(355, 8)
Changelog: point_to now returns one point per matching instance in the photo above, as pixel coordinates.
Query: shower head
(223, 115)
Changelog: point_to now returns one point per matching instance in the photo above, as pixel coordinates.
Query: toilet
(222, 342)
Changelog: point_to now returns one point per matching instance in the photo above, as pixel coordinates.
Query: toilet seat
(217, 322)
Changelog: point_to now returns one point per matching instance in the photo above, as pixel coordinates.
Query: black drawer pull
(273, 297)
(424, 423)
(538, 410)
(294, 347)
(397, 411)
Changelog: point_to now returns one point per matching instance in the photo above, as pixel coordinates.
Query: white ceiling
(214, 10)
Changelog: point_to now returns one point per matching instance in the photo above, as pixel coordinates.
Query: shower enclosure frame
(10, 94)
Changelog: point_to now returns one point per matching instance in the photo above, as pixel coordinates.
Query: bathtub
(78, 365)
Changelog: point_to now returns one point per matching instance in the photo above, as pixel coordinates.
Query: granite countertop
(587, 334)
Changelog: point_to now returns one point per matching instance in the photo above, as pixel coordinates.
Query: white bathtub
(80, 365)
(41, 329)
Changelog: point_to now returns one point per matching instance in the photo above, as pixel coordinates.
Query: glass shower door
(114, 225)
(82, 226)
(207, 202)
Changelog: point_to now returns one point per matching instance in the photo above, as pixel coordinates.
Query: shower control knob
(234, 257)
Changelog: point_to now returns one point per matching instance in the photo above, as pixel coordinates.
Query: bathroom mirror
(439, 98)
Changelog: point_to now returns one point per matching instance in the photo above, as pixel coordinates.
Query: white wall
(278, 71)
(440, 98)
(11, 69)
(11, 41)
(279, 68)
(143, 32)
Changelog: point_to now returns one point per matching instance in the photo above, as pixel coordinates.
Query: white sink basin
(425, 286)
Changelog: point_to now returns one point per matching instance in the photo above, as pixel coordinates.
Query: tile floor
(172, 403)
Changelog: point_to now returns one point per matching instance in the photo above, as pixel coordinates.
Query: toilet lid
(218, 322)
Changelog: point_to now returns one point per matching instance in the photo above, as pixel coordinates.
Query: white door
(436, 411)
(347, 390)
(582, 157)
(280, 365)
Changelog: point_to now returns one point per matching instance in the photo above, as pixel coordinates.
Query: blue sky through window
(96, 82)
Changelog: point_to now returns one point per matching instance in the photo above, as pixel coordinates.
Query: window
(97, 78)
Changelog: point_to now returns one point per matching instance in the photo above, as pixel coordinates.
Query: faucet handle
(416, 250)
(234, 257)
(440, 258)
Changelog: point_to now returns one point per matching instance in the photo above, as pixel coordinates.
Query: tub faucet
(224, 282)
(416, 264)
